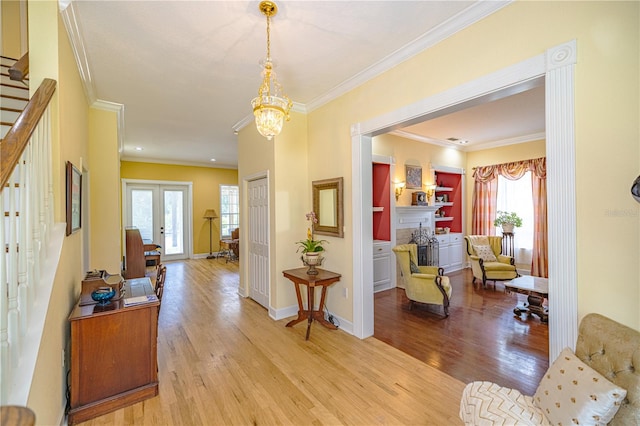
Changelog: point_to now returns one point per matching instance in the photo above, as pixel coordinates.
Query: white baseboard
(292, 311)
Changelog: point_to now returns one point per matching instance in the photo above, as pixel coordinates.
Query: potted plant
(310, 247)
(507, 220)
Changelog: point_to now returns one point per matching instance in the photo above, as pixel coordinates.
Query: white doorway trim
(555, 69)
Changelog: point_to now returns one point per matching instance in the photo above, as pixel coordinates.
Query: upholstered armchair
(598, 384)
(487, 262)
(424, 284)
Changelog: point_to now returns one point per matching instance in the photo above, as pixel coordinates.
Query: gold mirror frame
(329, 207)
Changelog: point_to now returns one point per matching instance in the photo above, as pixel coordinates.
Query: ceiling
(186, 71)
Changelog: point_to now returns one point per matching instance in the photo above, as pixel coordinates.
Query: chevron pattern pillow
(485, 404)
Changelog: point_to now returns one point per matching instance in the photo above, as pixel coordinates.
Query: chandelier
(271, 107)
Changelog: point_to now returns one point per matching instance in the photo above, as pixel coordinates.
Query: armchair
(424, 284)
(487, 262)
(586, 387)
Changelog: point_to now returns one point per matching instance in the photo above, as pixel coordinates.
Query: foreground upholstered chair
(598, 385)
(487, 262)
(424, 284)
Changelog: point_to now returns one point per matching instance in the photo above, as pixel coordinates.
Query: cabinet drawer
(380, 248)
(443, 239)
(455, 238)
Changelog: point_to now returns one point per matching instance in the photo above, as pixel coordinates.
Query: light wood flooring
(480, 340)
(223, 361)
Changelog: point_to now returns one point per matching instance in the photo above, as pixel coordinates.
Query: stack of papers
(130, 301)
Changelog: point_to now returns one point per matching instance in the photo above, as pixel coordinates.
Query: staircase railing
(27, 222)
(20, 69)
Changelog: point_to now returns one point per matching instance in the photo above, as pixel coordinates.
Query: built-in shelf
(443, 219)
(378, 209)
(443, 189)
(443, 204)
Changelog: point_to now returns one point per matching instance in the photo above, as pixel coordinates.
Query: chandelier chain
(269, 38)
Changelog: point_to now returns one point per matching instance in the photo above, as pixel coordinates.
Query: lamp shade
(210, 214)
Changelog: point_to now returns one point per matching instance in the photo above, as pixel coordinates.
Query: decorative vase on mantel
(312, 259)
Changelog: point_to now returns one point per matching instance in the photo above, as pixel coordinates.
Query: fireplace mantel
(413, 216)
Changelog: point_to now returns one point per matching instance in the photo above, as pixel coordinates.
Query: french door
(161, 213)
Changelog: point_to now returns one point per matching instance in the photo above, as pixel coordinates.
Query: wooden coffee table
(536, 289)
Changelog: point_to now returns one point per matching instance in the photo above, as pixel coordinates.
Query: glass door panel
(142, 216)
(173, 221)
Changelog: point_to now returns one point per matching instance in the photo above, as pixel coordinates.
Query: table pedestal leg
(533, 306)
(310, 302)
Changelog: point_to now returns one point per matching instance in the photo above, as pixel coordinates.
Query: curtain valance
(512, 171)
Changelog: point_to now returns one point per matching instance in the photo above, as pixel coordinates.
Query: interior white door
(258, 241)
(160, 213)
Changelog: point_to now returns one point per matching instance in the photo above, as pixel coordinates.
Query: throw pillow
(413, 267)
(571, 393)
(485, 253)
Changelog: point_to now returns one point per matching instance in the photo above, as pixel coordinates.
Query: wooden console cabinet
(113, 355)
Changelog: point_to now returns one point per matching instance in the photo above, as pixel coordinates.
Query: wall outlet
(345, 292)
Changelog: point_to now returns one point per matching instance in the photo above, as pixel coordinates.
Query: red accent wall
(381, 198)
(452, 180)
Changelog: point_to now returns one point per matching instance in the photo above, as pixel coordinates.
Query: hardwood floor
(223, 361)
(480, 340)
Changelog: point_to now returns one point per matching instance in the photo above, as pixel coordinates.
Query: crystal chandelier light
(271, 107)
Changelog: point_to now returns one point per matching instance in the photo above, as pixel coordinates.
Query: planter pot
(507, 227)
(312, 259)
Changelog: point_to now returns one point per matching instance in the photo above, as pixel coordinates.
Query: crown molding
(504, 142)
(470, 148)
(474, 13)
(71, 24)
(178, 163)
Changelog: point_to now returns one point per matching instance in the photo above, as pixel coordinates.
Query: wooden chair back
(160, 279)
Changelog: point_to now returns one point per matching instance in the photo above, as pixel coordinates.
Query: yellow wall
(51, 56)
(292, 189)
(607, 133)
(11, 28)
(414, 153)
(284, 159)
(104, 198)
(206, 193)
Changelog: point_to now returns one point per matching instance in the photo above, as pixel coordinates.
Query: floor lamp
(210, 214)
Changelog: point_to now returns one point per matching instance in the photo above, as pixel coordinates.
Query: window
(517, 196)
(229, 209)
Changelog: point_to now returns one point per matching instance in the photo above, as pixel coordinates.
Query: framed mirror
(328, 205)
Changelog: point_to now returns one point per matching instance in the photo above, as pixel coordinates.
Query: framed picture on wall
(74, 198)
(413, 177)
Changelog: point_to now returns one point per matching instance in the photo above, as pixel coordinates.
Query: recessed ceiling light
(213, 159)
(138, 148)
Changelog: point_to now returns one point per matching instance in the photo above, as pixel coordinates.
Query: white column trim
(561, 202)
